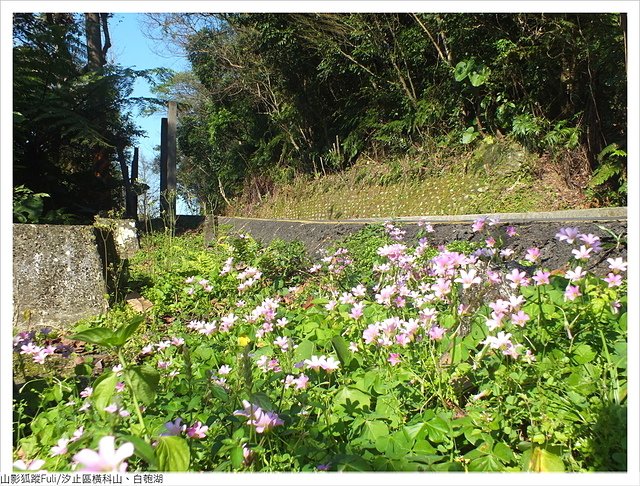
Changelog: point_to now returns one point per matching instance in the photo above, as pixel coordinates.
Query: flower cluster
(327, 364)
(262, 420)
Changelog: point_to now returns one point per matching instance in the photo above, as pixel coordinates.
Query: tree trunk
(95, 57)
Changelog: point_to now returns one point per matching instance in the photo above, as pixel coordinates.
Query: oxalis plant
(380, 356)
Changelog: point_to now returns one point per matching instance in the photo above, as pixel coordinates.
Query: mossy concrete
(57, 275)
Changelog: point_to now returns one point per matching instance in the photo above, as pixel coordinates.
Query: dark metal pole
(164, 206)
(172, 188)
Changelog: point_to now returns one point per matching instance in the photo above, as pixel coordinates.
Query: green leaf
(583, 354)
(351, 400)
(469, 135)
(541, 460)
(395, 446)
(173, 454)
(478, 78)
(103, 390)
(98, 335)
(124, 332)
(412, 431)
(503, 452)
(142, 449)
(350, 462)
(144, 382)
(219, 392)
(237, 457)
(372, 429)
(437, 429)
(262, 400)
(462, 69)
(342, 350)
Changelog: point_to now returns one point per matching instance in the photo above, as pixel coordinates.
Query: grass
(489, 180)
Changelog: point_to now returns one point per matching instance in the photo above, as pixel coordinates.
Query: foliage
(316, 92)
(386, 356)
(70, 119)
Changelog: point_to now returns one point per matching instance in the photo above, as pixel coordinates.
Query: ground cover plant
(381, 355)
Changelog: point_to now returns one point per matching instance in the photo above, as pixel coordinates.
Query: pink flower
(583, 253)
(60, 448)
(572, 292)
(533, 255)
(302, 381)
(567, 234)
(467, 279)
(148, 349)
(592, 240)
(262, 420)
(113, 408)
(224, 370)
(197, 431)
(502, 340)
(330, 364)
(541, 277)
(517, 278)
(436, 332)
(77, 434)
(617, 265)
(356, 311)
(33, 465)
(613, 279)
(120, 386)
(107, 459)
(575, 274)
(315, 363)
(478, 225)
(394, 359)
(511, 231)
(177, 341)
(282, 342)
(520, 318)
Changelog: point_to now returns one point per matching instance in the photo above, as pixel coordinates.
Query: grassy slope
(501, 177)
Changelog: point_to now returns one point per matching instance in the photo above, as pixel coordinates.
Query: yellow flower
(243, 341)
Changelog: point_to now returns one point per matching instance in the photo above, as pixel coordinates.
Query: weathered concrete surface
(123, 233)
(57, 275)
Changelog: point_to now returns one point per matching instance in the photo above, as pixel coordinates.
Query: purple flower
(511, 231)
(197, 431)
(567, 234)
(107, 459)
(262, 420)
(436, 332)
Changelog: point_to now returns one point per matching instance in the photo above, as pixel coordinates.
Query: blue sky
(130, 48)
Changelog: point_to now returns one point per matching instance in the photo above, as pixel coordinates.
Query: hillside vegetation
(496, 177)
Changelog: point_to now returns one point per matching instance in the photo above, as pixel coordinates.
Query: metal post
(171, 157)
(164, 205)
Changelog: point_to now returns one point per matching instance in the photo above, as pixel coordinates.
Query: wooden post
(164, 205)
(172, 188)
(134, 180)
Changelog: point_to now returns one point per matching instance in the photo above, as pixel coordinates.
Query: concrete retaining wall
(59, 270)
(537, 230)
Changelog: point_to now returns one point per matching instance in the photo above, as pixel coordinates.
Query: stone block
(57, 275)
